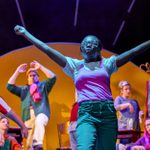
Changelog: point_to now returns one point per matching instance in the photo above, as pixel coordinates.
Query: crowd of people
(96, 117)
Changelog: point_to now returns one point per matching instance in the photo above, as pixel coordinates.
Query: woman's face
(90, 48)
(147, 125)
(126, 91)
(4, 124)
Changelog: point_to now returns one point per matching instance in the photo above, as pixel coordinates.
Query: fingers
(17, 28)
(34, 64)
(22, 68)
(24, 133)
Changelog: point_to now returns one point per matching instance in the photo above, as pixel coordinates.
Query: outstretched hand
(19, 30)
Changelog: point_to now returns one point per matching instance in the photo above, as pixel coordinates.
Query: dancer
(34, 101)
(97, 121)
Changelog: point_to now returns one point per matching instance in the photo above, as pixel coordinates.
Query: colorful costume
(97, 115)
(34, 114)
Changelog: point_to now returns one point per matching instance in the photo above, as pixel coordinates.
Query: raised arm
(130, 54)
(52, 53)
(36, 65)
(20, 69)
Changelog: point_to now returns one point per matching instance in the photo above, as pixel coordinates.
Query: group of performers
(97, 118)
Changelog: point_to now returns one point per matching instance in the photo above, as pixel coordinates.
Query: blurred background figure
(144, 142)
(7, 142)
(130, 115)
(34, 101)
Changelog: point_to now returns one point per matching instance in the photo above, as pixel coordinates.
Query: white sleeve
(71, 66)
(4, 108)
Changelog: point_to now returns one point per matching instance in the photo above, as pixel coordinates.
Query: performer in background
(97, 119)
(144, 142)
(7, 111)
(7, 142)
(34, 101)
(130, 115)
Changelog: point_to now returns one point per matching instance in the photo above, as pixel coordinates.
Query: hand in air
(36, 65)
(19, 30)
(22, 68)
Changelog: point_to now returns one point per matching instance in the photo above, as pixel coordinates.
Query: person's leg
(38, 136)
(30, 124)
(86, 131)
(107, 130)
(73, 140)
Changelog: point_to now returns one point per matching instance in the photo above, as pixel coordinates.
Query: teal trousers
(97, 126)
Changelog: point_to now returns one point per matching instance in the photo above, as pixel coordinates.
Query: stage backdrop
(61, 97)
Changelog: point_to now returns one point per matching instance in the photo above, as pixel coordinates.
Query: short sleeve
(117, 101)
(110, 64)
(4, 108)
(71, 66)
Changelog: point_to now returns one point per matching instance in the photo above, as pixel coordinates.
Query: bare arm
(124, 106)
(52, 53)
(12, 115)
(130, 54)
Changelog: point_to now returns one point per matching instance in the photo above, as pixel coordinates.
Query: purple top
(141, 142)
(92, 80)
(125, 114)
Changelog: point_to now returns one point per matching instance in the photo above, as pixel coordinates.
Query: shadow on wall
(62, 111)
(61, 97)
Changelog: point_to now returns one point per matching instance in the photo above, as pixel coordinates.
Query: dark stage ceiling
(120, 24)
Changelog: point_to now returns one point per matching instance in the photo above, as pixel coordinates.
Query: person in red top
(7, 142)
(72, 126)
